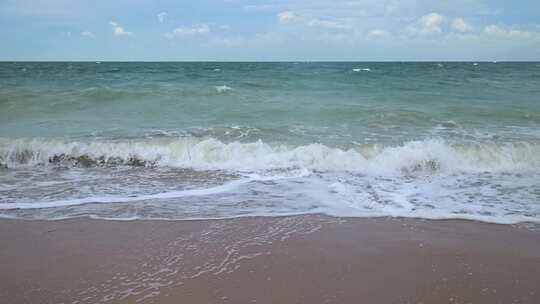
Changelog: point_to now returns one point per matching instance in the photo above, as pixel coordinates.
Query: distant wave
(223, 89)
(433, 155)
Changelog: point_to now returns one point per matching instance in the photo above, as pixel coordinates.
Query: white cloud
(377, 34)
(162, 17)
(329, 24)
(460, 25)
(431, 23)
(189, 31)
(499, 32)
(287, 17)
(118, 30)
(87, 34)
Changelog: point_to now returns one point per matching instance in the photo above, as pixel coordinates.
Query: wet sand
(301, 259)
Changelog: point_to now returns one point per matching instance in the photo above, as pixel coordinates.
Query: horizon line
(263, 61)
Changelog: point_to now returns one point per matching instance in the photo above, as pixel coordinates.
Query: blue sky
(270, 30)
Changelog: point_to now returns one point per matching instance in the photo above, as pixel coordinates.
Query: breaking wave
(211, 154)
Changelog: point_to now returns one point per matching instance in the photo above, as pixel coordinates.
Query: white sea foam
(223, 89)
(431, 179)
(444, 197)
(361, 70)
(212, 154)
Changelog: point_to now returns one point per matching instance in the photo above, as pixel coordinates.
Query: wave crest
(190, 152)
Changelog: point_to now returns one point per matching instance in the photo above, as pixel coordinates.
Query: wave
(223, 89)
(432, 155)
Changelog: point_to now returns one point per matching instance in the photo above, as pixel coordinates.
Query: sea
(212, 140)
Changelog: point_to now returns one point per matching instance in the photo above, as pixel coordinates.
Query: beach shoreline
(296, 259)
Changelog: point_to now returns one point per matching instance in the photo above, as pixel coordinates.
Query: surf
(430, 155)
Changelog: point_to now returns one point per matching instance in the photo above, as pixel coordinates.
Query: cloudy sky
(270, 30)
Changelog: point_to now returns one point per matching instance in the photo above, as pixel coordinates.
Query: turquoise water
(213, 140)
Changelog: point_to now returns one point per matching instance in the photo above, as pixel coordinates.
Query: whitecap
(213, 154)
(223, 89)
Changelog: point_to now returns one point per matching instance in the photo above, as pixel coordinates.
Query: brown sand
(303, 259)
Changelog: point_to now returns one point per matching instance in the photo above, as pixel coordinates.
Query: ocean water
(217, 140)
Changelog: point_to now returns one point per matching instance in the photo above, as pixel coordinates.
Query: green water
(212, 140)
(296, 102)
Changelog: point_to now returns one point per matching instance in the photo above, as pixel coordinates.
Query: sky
(272, 30)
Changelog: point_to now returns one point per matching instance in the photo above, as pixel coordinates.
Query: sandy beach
(302, 259)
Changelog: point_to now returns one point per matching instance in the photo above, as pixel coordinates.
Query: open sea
(177, 141)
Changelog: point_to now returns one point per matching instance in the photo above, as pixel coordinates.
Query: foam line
(123, 199)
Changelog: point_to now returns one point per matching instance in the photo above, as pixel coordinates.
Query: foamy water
(181, 141)
(425, 179)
